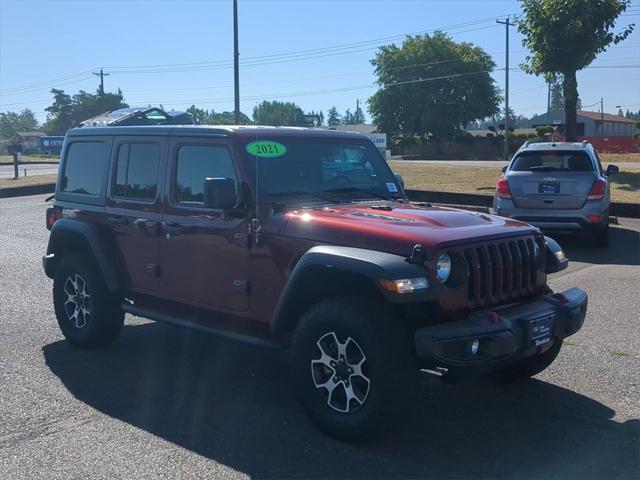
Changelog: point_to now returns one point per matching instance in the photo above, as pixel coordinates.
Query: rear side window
(195, 164)
(554, 160)
(137, 171)
(84, 168)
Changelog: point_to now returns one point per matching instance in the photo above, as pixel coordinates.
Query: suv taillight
(53, 213)
(502, 188)
(598, 190)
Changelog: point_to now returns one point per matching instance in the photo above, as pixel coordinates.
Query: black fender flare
(68, 235)
(368, 265)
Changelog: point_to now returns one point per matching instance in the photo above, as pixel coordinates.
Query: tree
(432, 86)
(59, 113)
(565, 36)
(206, 117)
(66, 112)
(333, 117)
(14, 122)
(278, 113)
(358, 116)
(347, 118)
(557, 98)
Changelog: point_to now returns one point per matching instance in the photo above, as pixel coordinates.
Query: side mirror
(219, 193)
(400, 180)
(611, 169)
(504, 169)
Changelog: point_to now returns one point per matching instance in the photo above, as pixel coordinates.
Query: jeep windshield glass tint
(323, 169)
(564, 161)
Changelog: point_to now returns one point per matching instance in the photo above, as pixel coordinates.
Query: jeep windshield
(329, 170)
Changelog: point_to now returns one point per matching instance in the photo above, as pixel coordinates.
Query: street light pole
(236, 72)
(507, 23)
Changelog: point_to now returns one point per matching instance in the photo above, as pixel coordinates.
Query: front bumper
(504, 335)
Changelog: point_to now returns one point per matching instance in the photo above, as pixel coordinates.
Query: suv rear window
(84, 168)
(137, 171)
(554, 160)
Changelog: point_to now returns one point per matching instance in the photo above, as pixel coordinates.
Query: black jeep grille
(501, 271)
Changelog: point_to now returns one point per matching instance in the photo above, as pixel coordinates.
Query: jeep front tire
(88, 314)
(353, 368)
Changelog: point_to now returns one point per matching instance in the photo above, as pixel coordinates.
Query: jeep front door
(205, 254)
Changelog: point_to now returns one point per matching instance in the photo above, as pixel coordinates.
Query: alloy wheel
(77, 306)
(340, 373)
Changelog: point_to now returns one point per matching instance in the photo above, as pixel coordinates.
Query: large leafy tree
(14, 122)
(564, 37)
(432, 86)
(278, 113)
(67, 112)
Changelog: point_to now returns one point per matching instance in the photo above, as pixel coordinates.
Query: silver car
(557, 186)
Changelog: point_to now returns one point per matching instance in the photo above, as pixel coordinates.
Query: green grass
(625, 186)
(24, 181)
(4, 159)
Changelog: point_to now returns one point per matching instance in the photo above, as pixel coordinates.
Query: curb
(27, 190)
(22, 164)
(629, 210)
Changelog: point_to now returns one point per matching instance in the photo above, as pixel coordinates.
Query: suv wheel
(88, 314)
(529, 367)
(352, 368)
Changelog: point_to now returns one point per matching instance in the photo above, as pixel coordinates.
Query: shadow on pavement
(623, 249)
(232, 404)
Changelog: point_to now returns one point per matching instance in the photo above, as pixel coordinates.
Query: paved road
(166, 403)
(499, 163)
(6, 171)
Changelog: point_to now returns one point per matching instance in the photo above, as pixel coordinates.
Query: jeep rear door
(205, 254)
(555, 179)
(133, 206)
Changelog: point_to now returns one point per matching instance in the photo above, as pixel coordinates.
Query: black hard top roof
(246, 131)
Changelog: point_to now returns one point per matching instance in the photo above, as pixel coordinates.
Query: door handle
(117, 221)
(171, 228)
(149, 226)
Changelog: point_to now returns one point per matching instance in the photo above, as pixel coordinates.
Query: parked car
(557, 186)
(304, 239)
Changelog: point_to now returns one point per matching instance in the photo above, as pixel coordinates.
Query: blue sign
(50, 144)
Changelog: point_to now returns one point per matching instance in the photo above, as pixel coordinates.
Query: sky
(315, 53)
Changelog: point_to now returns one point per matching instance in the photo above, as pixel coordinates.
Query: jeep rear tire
(353, 368)
(529, 367)
(88, 314)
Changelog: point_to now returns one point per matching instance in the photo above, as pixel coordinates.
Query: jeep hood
(396, 227)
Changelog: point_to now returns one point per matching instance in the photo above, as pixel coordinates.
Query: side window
(84, 168)
(598, 162)
(195, 164)
(137, 171)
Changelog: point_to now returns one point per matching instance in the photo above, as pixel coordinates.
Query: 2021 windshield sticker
(266, 149)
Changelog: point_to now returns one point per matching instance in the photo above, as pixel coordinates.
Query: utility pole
(549, 103)
(236, 66)
(507, 23)
(101, 74)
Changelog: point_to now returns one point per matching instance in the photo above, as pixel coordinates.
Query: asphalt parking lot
(167, 403)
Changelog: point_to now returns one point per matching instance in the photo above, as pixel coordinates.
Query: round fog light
(475, 346)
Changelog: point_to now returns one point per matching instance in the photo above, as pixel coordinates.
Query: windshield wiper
(301, 193)
(364, 190)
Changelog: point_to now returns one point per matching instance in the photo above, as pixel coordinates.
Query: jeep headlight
(443, 267)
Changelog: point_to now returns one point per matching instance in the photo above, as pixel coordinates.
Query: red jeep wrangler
(303, 239)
